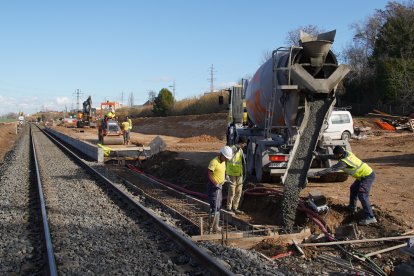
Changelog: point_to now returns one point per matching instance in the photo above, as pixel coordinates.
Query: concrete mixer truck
(288, 101)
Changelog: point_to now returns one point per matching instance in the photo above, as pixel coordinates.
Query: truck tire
(346, 136)
(250, 159)
(261, 175)
(258, 166)
(328, 178)
(341, 177)
(334, 177)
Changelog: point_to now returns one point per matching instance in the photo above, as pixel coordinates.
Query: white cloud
(62, 100)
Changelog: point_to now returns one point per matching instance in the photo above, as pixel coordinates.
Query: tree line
(382, 58)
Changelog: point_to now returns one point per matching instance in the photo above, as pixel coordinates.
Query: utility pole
(122, 98)
(212, 78)
(78, 93)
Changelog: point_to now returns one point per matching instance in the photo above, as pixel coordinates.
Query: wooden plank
(213, 237)
(409, 232)
(356, 241)
(386, 250)
(248, 243)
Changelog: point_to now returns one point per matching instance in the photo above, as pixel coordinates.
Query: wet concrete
(301, 159)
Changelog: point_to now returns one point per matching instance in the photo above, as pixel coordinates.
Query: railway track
(97, 228)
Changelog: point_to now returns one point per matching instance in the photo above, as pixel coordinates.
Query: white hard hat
(227, 152)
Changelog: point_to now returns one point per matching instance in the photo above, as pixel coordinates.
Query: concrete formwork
(88, 149)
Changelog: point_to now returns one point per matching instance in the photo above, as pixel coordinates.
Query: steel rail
(46, 232)
(188, 245)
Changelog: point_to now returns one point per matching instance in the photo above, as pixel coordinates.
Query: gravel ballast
(21, 244)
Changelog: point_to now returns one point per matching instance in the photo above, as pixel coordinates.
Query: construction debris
(390, 122)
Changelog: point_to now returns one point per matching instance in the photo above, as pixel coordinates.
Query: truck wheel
(261, 176)
(328, 178)
(250, 159)
(346, 136)
(258, 166)
(341, 177)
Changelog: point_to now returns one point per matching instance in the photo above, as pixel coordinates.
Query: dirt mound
(200, 139)
(7, 138)
(183, 126)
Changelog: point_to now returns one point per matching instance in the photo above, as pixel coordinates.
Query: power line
(212, 78)
(78, 93)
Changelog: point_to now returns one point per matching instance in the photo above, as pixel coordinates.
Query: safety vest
(356, 168)
(107, 150)
(235, 165)
(130, 123)
(125, 126)
(110, 115)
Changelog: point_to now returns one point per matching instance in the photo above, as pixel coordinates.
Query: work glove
(227, 178)
(311, 174)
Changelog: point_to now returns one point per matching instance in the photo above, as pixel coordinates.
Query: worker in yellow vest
(364, 178)
(216, 176)
(125, 131)
(234, 171)
(129, 122)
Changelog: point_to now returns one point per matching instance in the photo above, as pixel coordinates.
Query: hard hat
(227, 152)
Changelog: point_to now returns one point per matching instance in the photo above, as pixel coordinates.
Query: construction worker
(111, 113)
(130, 123)
(364, 178)
(125, 131)
(234, 172)
(216, 176)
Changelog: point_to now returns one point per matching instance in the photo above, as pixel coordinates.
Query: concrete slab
(96, 153)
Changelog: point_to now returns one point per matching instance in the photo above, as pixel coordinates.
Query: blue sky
(51, 48)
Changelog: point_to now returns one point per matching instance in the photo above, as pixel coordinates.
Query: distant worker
(361, 187)
(234, 170)
(125, 131)
(130, 123)
(216, 176)
(111, 113)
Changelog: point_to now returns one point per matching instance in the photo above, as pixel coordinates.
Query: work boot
(367, 221)
(229, 210)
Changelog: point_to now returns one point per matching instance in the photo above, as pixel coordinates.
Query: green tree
(163, 103)
(382, 57)
(396, 36)
(393, 54)
(395, 80)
